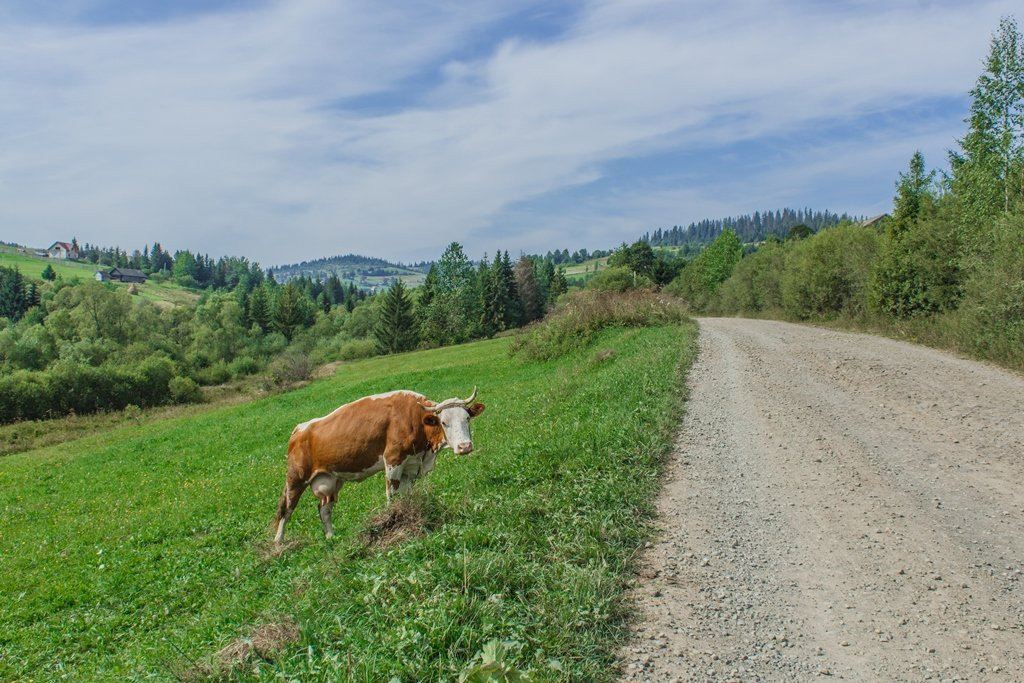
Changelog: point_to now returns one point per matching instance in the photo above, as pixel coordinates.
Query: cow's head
(451, 418)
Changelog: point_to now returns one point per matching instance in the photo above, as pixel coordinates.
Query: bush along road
(838, 506)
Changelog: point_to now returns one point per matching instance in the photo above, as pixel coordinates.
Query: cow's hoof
(328, 536)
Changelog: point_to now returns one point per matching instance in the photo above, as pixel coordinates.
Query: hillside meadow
(165, 293)
(142, 552)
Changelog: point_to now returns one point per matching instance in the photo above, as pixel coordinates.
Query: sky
(291, 130)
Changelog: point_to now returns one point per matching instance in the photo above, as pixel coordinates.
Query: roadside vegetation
(946, 268)
(144, 552)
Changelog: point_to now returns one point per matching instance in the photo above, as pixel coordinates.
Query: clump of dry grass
(400, 521)
(264, 642)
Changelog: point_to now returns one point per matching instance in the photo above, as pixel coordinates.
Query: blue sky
(285, 131)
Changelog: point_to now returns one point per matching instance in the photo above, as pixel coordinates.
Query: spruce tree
(288, 310)
(558, 286)
(513, 306)
(397, 329)
(913, 195)
(259, 308)
(490, 303)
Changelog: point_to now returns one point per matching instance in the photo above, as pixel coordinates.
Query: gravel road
(838, 506)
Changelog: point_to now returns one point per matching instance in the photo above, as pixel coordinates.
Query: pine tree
(13, 294)
(513, 305)
(545, 270)
(335, 290)
(289, 315)
(559, 286)
(323, 302)
(913, 195)
(490, 297)
(397, 329)
(49, 273)
(259, 308)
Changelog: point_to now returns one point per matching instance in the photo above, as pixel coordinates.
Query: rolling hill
(365, 272)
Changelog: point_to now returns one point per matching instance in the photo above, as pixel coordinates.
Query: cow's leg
(411, 471)
(325, 488)
(293, 489)
(392, 478)
(428, 462)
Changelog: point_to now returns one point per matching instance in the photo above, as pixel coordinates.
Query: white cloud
(232, 133)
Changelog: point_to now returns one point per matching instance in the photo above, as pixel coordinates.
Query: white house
(62, 250)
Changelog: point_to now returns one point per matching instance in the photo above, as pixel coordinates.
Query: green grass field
(140, 552)
(32, 266)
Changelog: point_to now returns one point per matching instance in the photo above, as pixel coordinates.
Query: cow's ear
(431, 420)
(475, 409)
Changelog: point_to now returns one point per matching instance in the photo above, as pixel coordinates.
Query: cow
(399, 432)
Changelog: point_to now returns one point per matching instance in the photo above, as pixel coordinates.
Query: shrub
(78, 388)
(917, 271)
(619, 279)
(827, 274)
(755, 284)
(185, 390)
(290, 366)
(713, 266)
(73, 387)
(992, 312)
(25, 395)
(218, 373)
(154, 378)
(585, 313)
(244, 365)
(355, 349)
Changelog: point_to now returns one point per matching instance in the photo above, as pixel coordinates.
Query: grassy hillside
(31, 266)
(141, 552)
(577, 273)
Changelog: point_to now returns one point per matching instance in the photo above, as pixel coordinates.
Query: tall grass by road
(141, 552)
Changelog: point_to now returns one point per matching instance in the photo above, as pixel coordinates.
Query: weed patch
(577, 321)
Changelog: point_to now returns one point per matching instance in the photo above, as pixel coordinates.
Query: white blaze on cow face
(455, 423)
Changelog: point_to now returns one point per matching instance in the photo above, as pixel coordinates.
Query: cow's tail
(282, 505)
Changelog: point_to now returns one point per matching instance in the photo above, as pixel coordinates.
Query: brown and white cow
(399, 432)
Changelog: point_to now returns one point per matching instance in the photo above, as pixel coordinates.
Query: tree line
(749, 228)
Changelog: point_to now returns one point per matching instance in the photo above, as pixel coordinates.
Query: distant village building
(128, 275)
(122, 275)
(874, 221)
(62, 250)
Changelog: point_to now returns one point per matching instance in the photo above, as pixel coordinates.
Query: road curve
(839, 506)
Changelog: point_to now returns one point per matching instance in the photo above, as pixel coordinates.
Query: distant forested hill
(749, 228)
(365, 272)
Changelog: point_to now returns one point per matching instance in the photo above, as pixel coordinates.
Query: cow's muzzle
(464, 448)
